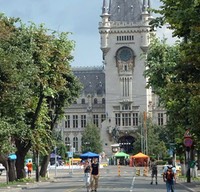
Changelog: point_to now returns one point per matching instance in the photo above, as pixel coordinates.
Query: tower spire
(105, 7)
(109, 8)
(149, 5)
(144, 7)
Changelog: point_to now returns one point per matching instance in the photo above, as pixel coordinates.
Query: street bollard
(145, 172)
(119, 170)
(137, 172)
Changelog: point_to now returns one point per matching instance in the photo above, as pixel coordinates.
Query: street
(112, 179)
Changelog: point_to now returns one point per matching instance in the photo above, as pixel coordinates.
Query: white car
(2, 168)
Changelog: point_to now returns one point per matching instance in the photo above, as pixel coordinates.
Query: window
(103, 101)
(126, 86)
(103, 117)
(67, 141)
(67, 121)
(96, 120)
(160, 119)
(126, 107)
(135, 119)
(82, 101)
(83, 121)
(117, 119)
(95, 101)
(75, 144)
(126, 119)
(125, 38)
(75, 121)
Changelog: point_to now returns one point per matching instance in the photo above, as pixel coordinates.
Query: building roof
(92, 78)
(126, 10)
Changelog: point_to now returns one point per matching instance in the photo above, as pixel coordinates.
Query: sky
(80, 17)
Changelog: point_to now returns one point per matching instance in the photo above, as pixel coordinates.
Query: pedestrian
(94, 175)
(87, 173)
(29, 166)
(48, 170)
(169, 176)
(154, 171)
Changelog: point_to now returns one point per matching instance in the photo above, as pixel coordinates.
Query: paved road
(111, 180)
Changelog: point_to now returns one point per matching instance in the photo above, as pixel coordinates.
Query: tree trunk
(20, 164)
(22, 150)
(12, 170)
(44, 165)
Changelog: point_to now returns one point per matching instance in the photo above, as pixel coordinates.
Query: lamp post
(70, 155)
(188, 143)
(86, 145)
(55, 160)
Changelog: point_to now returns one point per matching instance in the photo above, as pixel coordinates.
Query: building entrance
(126, 143)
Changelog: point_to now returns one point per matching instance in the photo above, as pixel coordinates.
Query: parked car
(2, 168)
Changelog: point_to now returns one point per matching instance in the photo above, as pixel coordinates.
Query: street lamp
(70, 155)
(188, 143)
(87, 144)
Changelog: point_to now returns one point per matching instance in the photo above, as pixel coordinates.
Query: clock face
(125, 54)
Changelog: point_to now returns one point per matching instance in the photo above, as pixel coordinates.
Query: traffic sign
(70, 154)
(188, 142)
(187, 134)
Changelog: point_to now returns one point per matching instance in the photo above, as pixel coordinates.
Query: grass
(23, 181)
(184, 178)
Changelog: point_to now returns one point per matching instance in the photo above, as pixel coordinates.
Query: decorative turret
(149, 6)
(104, 8)
(104, 27)
(146, 19)
(144, 6)
(105, 15)
(145, 12)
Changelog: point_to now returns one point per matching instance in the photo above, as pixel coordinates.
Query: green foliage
(36, 83)
(91, 139)
(173, 73)
(157, 138)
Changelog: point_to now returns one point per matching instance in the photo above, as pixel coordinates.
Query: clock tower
(124, 31)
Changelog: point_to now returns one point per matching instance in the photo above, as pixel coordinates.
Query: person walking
(169, 176)
(29, 166)
(94, 175)
(87, 173)
(154, 171)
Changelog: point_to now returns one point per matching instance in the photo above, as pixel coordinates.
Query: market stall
(139, 160)
(122, 158)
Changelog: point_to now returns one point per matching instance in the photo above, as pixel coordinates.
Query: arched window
(103, 101)
(75, 143)
(95, 101)
(67, 143)
(83, 101)
(67, 140)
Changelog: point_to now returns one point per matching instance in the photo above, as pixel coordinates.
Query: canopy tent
(89, 155)
(121, 158)
(122, 154)
(139, 159)
(140, 155)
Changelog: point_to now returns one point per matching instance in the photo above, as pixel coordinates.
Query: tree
(36, 82)
(91, 139)
(157, 138)
(183, 97)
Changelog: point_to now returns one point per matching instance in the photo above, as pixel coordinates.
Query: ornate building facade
(115, 97)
